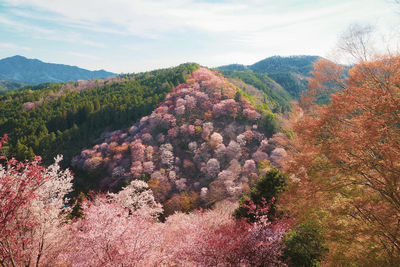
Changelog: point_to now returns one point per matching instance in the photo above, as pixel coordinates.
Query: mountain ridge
(34, 71)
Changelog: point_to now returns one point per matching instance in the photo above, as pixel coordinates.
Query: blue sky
(139, 35)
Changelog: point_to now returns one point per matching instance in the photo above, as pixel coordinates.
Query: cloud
(152, 18)
(24, 27)
(243, 21)
(82, 55)
(14, 46)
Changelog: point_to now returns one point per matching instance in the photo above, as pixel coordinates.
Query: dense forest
(43, 120)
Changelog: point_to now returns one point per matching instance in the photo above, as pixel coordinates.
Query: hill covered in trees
(34, 71)
(288, 72)
(51, 118)
(205, 142)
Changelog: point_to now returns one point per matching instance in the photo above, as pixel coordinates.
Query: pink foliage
(215, 139)
(160, 138)
(191, 129)
(109, 236)
(137, 151)
(149, 153)
(249, 167)
(259, 156)
(205, 133)
(214, 238)
(136, 169)
(212, 168)
(148, 167)
(190, 102)
(227, 107)
(32, 212)
(251, 114)
(233, 150)
(147, 138)
(172, 133)
(27, 106)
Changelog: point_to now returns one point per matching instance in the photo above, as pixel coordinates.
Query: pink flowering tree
(214, 238)
(109, 235)
(32, 212)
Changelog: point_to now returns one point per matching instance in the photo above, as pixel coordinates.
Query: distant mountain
(34, 71)
(289, 72)
(302, 65)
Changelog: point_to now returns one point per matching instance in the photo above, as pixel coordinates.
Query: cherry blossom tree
(138, 198)
(109, 235)
(212, 168)
(32, 211)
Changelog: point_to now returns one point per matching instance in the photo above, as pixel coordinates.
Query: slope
(205, 142)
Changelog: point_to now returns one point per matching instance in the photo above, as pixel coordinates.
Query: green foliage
(77, 209)
(69, 121)
(302, 65)
(7, 86)
(305, 245)
(233, 67)
(267, 124)
(292, 83)
(274, 95)
(288, 72)
(266, 188)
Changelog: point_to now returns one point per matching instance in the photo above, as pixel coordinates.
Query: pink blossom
(137, 151)
(249, 167)
(212, 168)
(136, 169)
(228, 107)
(172, 133)
(215, 139)
(191, 129)
(260, 156)
(148, 167)
(147, 138)
(251, 114)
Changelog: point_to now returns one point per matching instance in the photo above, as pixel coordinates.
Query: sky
(126, 36)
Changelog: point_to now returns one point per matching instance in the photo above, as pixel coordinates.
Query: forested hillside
(288, 72)
(53, 118)
(6, 86)
(204, 143)
(273, 93)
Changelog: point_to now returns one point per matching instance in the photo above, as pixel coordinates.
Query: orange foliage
(345, 162)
